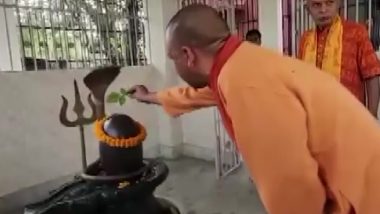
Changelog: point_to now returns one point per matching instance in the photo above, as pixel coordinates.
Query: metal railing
(241, 15)
(69, 34)
(287, 26)
(247, 16)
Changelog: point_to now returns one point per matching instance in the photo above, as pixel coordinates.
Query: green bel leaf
(122, 100)
(113, 97)
(123, 91)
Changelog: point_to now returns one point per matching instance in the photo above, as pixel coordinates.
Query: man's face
(254, 39)
(185, 60)
(323, 11)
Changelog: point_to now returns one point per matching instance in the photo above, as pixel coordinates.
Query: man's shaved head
(193, 37)
(197, 26)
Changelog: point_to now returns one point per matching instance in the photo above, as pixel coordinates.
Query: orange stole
(332, 56)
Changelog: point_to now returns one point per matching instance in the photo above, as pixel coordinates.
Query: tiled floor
(191, 185)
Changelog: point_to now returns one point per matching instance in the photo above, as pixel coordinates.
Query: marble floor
(191, 185)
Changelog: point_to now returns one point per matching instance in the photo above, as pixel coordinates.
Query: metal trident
(81, 119)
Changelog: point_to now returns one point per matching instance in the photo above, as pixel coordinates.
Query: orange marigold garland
(118, 142)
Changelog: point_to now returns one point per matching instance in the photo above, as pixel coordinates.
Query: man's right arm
(176, 100)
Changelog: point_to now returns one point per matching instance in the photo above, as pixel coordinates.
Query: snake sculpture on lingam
(121, 181)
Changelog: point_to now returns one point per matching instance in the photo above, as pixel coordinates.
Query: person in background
(309, 145)
(343, 49)
(253, 36)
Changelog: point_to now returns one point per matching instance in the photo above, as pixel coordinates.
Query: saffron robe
(345, 51)
(179, 100)
(309, 144)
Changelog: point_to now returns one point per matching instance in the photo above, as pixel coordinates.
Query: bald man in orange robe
(309, 144)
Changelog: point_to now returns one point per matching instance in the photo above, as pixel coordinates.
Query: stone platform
(191, 185)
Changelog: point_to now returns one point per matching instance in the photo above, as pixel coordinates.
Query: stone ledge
(188, 150)
(199, 152)
(170, 152)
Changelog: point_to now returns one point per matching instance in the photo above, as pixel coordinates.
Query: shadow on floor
(191, 185)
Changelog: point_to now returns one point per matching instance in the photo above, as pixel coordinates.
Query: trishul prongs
(78, 109)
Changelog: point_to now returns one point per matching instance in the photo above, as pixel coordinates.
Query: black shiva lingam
(120, 181)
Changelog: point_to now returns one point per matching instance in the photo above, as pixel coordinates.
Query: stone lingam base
(120, 182)
(95, 193)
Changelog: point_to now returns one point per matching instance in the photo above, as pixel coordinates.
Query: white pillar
(270, 23)
(10, 57)
(159, 14)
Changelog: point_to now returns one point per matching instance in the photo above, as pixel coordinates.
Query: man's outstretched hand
(142, 94)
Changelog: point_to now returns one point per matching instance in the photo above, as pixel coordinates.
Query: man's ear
(190, 56)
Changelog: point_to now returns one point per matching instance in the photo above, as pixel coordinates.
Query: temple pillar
(170, 130)
(10, 57)
(270, 24)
